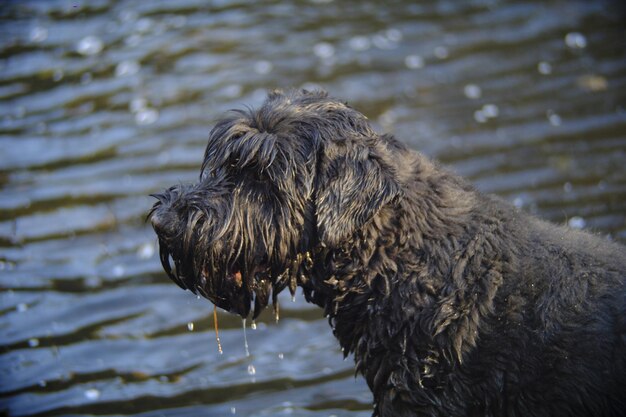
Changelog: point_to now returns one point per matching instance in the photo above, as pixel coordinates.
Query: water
(103, 103)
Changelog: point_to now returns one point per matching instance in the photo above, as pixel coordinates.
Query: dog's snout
(158, 220)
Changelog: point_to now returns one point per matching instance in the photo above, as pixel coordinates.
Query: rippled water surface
(103, 103)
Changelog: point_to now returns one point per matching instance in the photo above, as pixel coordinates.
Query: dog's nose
(158, 218)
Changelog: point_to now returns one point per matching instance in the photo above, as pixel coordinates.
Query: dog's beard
(237, 270)
(237, 285)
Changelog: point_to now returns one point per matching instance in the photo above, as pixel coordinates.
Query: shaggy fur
(452, 302)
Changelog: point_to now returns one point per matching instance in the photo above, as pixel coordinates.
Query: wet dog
(452, 302)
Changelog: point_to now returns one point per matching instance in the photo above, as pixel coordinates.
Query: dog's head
(301, 173)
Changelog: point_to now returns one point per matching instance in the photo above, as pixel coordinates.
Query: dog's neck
(360, 285)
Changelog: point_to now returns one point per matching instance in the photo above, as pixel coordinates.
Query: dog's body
(453, 303)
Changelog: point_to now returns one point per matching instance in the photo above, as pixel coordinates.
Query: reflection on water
(102, 103)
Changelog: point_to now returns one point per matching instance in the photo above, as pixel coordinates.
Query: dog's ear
(352, 185)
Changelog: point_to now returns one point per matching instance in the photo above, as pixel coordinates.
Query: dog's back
(562, 314)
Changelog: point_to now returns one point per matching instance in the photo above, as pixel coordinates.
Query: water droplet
(479, 116)
(251, 370)
(232, 91)
(324, 50)
(575, 40)
(490, 111)
(190, 326)
(288, 407)
(518, 202)
(22, 307)
(33, 342)
(544, 68)
(414, 61)
(472, 91)
(146, 117)
(263, 67)
(92, 394)
(146, 251)
(359, 43)
(383, 42)
(89, 45)
(126, 68)
(253, 325)
(233, 410)
(394, 35)
(553, 118)
(576, 222)
(281, 356)
(118, 271)
(567, 187)
(38, 34)
(441, 52)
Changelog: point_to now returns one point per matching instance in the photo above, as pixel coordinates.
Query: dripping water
(245, 338)
(217, 335)
(276, 311)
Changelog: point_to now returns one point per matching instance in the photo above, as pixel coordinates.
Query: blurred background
(104, 102)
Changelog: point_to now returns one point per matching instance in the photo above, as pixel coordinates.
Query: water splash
(253, 325)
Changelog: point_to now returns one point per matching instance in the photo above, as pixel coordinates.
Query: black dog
(453, 303)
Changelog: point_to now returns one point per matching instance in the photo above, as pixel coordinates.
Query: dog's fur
(454, 303)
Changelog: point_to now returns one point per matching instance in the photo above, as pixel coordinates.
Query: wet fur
(453, 303)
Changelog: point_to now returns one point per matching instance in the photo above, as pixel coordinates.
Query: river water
(104, 102)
